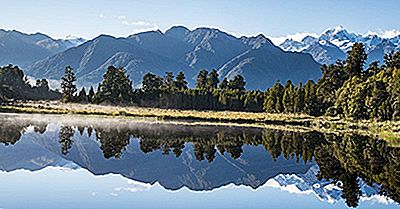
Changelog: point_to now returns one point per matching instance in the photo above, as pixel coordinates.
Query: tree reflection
(113, 142)
(343, 159)
(65, 138)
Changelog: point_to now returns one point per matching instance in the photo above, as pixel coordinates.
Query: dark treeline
(343, 159)
(13, 84)
(167, 92)
(345, 89)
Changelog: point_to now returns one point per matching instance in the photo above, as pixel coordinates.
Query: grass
(388, 130)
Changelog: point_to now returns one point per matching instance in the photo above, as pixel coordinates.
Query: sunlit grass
(388, 130)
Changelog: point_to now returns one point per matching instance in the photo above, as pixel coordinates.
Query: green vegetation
(345, 90)
(14, 85)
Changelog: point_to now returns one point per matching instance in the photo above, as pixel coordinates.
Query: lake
(75, 162)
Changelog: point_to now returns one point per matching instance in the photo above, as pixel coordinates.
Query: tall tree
(116, 87)
(238, 83)
(392, 60)
(311, 105)
(181, 82)
(91, 94)
(68, 86)
(151, 82)
(82, 97)
(212, 79)
(288, 97)
(356, 59)
(224, 84)
(299, 99)
(201, 82)
(169, 83)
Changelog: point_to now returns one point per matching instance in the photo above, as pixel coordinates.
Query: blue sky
(273, 18)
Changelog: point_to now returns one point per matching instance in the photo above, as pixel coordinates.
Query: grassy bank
(389, 130)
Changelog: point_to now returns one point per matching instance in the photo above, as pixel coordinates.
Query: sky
(273, 18)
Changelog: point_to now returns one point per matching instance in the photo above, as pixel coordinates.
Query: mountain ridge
(340, 40)
(181, 49)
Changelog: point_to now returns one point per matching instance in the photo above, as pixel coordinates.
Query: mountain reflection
(343, 159)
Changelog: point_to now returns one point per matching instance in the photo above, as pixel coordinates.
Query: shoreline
(388, 130)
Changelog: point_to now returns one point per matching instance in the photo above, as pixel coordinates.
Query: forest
(347, 89)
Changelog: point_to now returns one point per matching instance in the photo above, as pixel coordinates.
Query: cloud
(138, 25)
(385, 34)
(296, 37)
(101, 16)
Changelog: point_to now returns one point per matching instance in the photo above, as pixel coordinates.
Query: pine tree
(116, 87)
(82, 97)
(392, 60)
(356, 59)
(181, 82)
(201, 82)
(395, 95)
(224, 84)
(151, 83)
(212, 80)
(169, 83)
(273, 102)
(237, 83)
(299, 99)
(68, 86)
(90, 94)
(311, 106)
(288, 97)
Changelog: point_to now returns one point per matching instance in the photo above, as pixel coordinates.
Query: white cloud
(122, 17)
(139, 25)
(385, 34)
(296, 37)
(101, 16)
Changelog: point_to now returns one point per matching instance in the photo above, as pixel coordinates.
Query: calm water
(52, 162)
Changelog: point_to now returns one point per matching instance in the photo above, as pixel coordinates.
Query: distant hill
(23, 49)
(181, 49)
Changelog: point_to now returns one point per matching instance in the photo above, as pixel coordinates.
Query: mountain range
(333, 43)
(23, 49)
(255, 168)
(179, 49)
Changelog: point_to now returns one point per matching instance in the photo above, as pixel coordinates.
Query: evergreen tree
(392, 60)
(237, 83)
(212, 79)
(116, 87)
(91, 94)
(224, 84)
(356, 59)
(395, 95)
(169, 83)
(201, 82)
(288, 97)
(68, 86)
(151, 82)
(273, 102)
(311, 106)
(181, 82)
(299, 99)
(82, 97)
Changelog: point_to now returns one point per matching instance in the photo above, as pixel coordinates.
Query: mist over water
(109, 159)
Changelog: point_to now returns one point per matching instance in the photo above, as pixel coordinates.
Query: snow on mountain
(333, 43)
(324, 190)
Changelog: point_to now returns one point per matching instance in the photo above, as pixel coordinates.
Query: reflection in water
(346, 160)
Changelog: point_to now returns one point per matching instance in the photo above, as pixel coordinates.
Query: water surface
(76, 162)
